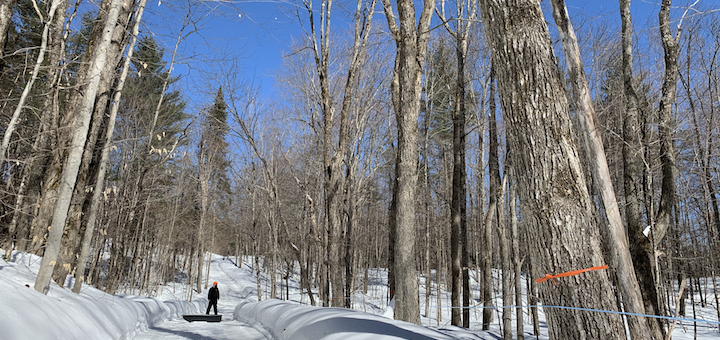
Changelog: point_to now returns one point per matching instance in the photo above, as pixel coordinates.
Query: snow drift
(62, 314)
(288, 320)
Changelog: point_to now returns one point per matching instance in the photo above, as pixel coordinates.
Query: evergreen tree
(213, 144)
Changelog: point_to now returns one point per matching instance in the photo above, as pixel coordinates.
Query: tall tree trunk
(494, 170)
(412, 43)
(460, 281)
(621, 258)
(515, 239)
(504, 246)
(666, 126)
(458, 227)
(72, 164)
(105, 155)
(633, 153)
(551, 180)
(81, 200)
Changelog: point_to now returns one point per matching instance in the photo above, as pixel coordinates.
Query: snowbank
(62, 314)
(288, 320)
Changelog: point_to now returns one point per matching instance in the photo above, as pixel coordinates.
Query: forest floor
(26, 314)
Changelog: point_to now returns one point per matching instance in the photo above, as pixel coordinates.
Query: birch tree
(99, 187)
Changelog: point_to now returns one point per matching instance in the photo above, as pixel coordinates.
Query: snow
(93, 314)
(288, 320)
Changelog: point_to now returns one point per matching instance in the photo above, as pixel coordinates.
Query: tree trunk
(515, 239)
(6, 11)
(633, 153)
(621, 258)
(504, 246)
(666, 126)
(81, 200)
(493, 168)
(412, 43)
(105, 155)
(72, 165)
(458, 235)
(551, 180)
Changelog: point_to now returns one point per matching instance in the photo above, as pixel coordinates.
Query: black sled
(203, 317)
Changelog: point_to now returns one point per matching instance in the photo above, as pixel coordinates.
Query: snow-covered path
(181, 329)
(233, 290)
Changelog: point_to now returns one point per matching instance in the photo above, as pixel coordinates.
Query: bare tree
(52, 12)
(633, 155)
(411, 38)
(72, 164)
(335, 185)
(552, 185)
(621, 258)
(99, 187)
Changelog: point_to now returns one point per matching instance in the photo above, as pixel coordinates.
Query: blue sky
(259, 33)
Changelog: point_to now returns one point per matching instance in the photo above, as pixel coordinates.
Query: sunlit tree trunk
(621, 258)
(633, 155)
(81, 199)
(105, 155)
(411, 38)
(551, 181)
(72, 164)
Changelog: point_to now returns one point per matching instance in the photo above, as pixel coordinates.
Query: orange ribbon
(570, 273)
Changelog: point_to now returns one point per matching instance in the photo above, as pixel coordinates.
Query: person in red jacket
(213, 297)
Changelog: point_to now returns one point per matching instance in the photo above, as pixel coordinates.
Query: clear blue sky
(260, 33)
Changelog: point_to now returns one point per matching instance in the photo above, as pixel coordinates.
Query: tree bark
(562, 230)
(105, 155)
(412, 43)
(72, 165)
(633, 154)
(621, 258)
(494, 170)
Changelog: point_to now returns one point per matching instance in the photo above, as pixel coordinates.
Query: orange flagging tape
(570, 273)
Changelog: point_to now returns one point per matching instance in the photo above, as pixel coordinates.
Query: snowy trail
(181, 329)
(233, 290)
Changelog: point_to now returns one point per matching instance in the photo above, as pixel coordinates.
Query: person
(213, 296)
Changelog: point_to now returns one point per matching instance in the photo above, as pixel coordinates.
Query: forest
(440, 139)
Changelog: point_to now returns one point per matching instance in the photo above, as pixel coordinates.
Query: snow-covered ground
(27, 314)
